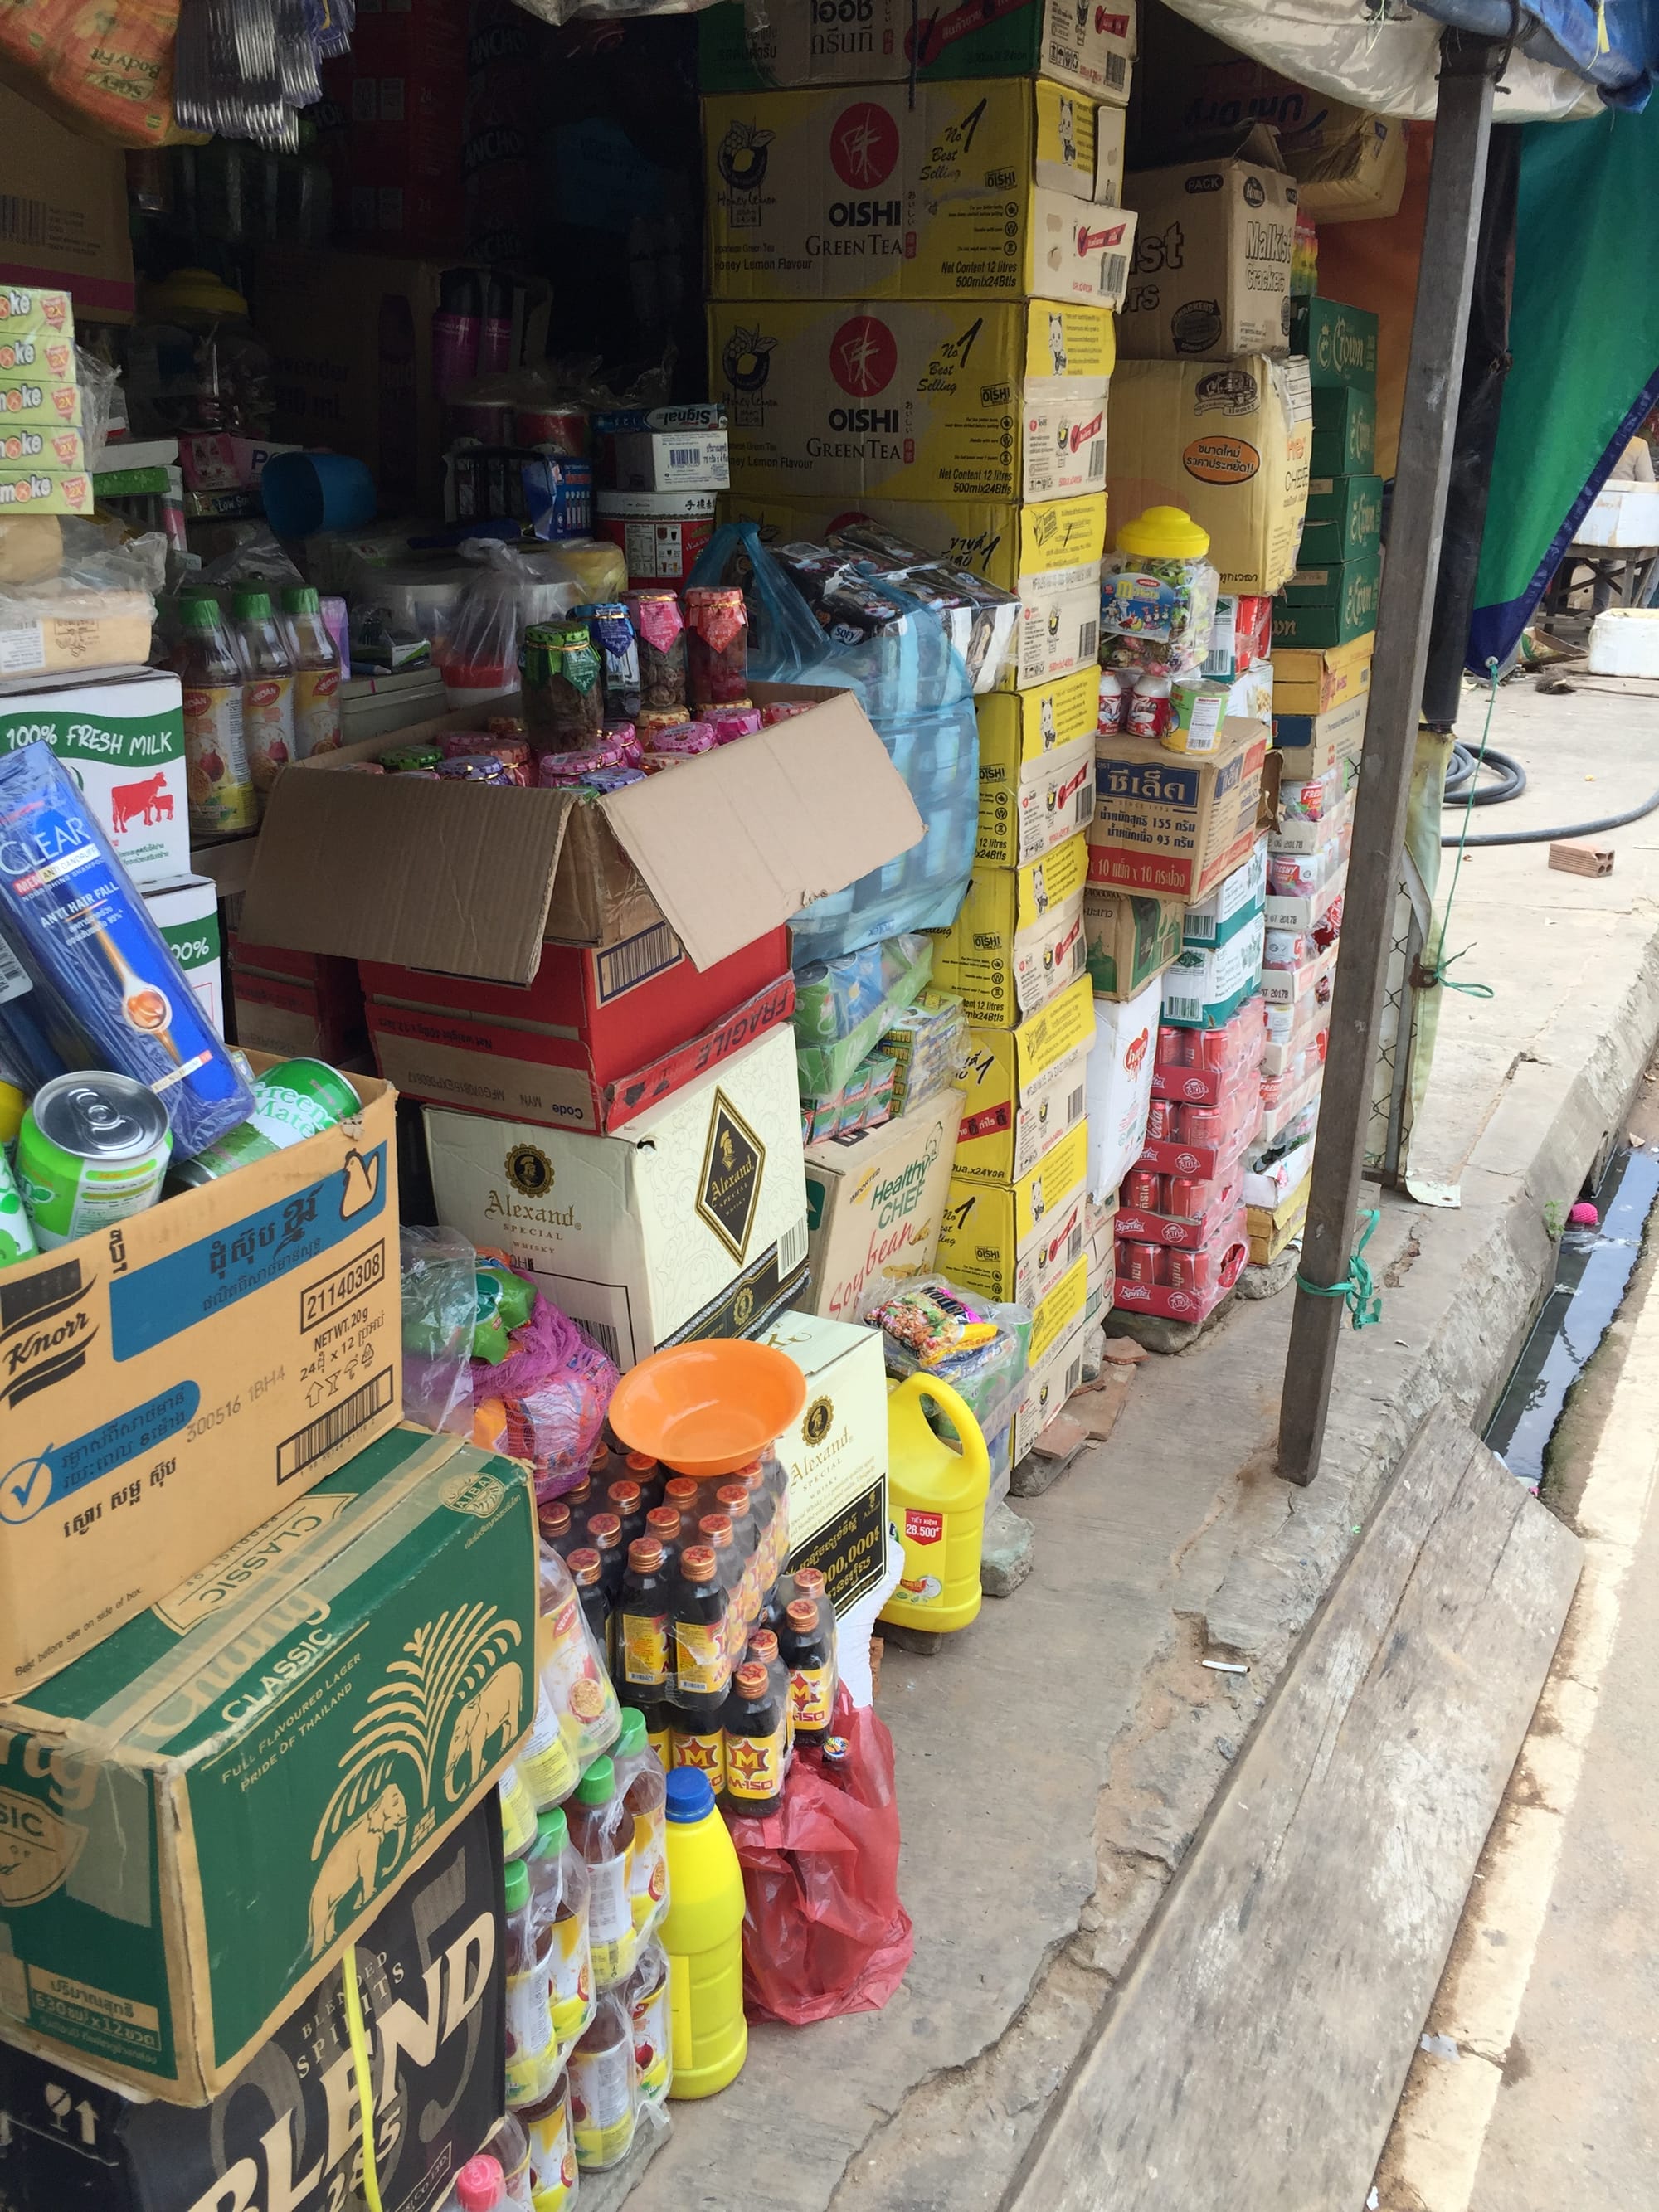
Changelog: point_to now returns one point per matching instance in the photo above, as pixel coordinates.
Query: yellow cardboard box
(1037, 767)
(1023, 1088)
(1048, 1387)
(1017, 940)
(995, 400)
(1229, 441)
(881, 194)
(989, 1229)
(1310, 680)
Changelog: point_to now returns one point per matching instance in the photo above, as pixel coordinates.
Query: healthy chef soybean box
(196, 1817)
(170, 1381)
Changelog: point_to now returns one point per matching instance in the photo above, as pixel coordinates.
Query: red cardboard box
(308, 1003)
(1204, 1277)
(1200, 1140)
(1204, 1067)
(593, 1039)
(1215, 1202)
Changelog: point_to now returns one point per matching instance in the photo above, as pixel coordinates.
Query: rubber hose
(1566, 829)
(1462, 768)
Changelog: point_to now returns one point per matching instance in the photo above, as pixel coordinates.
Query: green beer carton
(1339, 341)
(1343, 521)
(1329, 606)
(1344, 432)
(197, 1816)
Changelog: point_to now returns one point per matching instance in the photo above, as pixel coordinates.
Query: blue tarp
(1614, 46)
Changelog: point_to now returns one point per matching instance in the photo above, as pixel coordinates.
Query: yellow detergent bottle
(937, 1495)
(702, 1935)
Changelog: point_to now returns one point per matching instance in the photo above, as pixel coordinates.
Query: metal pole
(1428, 427)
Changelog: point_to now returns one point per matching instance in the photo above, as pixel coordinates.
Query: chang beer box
(1329, 606)
(744, 46)
(1047, 552)
(873, 1203)
(172, 1380)
(935, 194)
(989, 1228)
(997, 399)
(1130, 937)
(431, 1978)
(1227, 441)
(689, 1222)
(204, 1812)
(187, 915)
(123, 740)
(1343, 521)
(1033, 745)
(1017, 939)
(1023, 1088)
(835, 1454)
(1213, 257)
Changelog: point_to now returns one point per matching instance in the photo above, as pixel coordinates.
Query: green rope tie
(1436, 970)
(1357, 1285)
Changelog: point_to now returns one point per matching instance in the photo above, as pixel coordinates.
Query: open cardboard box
(471, 880)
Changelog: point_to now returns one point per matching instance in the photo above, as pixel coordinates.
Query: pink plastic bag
(545, 1402)
(823, 1932)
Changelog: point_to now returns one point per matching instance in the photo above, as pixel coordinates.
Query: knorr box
(1022, 1088)
(1213, 257)
(742, 47)
(1174, 823)
(994, 400)
(873, 1202)
(431, 1972)
(1227, 442)
(871, 194)
(201, 1814)
(123, 740)
(170, 1381)
(1130, 937)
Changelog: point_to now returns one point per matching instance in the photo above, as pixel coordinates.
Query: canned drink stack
(293, 1101)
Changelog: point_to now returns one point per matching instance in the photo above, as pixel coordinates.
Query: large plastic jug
(702, 1935)
(937, 1495)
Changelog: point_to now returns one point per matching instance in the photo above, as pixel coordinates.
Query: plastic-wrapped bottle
(640, 1777)
(518, 1814)
(756, 1740)
(644, 1622)
(532, 2048)
(267, 688)
(553, 2184)
(217, 779)
(763, 1649)
(603, 2098)
(575, 1672)
(316, 660)
(510, 2149)
(602, 1830)
(480, 2186)
(559, 1894)
(649, 2004)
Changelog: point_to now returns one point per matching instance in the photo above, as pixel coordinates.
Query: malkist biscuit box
(874, 194)
(1023, 1088)
(946, 400)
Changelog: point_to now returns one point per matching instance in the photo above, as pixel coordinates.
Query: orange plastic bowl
(708, 1408)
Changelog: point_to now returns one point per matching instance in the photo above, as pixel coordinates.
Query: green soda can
(292, 1101)
(92, 1149)
(16, 1236)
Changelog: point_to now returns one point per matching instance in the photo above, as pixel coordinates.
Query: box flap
(365, 866)
(734, 842)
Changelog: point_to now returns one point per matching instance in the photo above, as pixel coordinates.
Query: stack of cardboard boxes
(914, 259)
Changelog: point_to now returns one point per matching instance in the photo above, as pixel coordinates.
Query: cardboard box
(1230, 444)
(1047, 552)
(64, 211)
(1028, 812)
(1232, 905)
(1213, 257)
(1308, 683)
(308, 1005)
(1208, 984)
(1344, 520)
(1292, 990)
(672, 460)
(1350, 165)
(1214, 1269)
(871, 194)
(836, 1456)
(1271, 1229)
(591, 1040)
(1120, 1087)
(1018, 938)
(873, 1202)
(401, 173)
(1350, 594)
(1345, 431)
(298, 1725)
(724, 848)
(1130, 939)
(691, 1222)
(743, 48)
(352, 379)
(659, 533)
(989, 1229)
(1339, 341)
(431, 1978)
(1048, 1387)
(1175, 823)
(187, 914)
(914, 400)
(174, 1379)
(1023, 1088)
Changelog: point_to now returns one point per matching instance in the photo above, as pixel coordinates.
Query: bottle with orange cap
(703, 1664)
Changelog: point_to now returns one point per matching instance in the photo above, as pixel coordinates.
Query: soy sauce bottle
(624, 1499)
(808, 1651)
(587, 1570)
(755, 1741)
(702, 1669)
(645, 1621)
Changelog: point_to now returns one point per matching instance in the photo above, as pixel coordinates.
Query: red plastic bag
(823, 1932)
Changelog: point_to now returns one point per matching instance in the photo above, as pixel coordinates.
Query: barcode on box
(1074, 1243)
(607, 1339)
(24, 222)
(1088, 639)
(329, 1430)
(1074, 1106)
(1098, 458)
(791, 1247)
(1074, 1375)
(13, 976)
(1182, 1009)
(626, 965)
(685, 457)
(1115, 71)
(1114, 274)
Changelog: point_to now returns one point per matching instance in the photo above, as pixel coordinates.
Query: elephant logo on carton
(446, 1710)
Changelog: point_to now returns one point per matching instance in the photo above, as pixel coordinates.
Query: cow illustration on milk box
(123, 740)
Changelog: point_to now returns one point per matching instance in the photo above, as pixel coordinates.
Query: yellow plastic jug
(937, 1496)
(702, 1935)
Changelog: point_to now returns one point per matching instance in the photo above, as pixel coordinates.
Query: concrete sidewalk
(1054, 1762)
